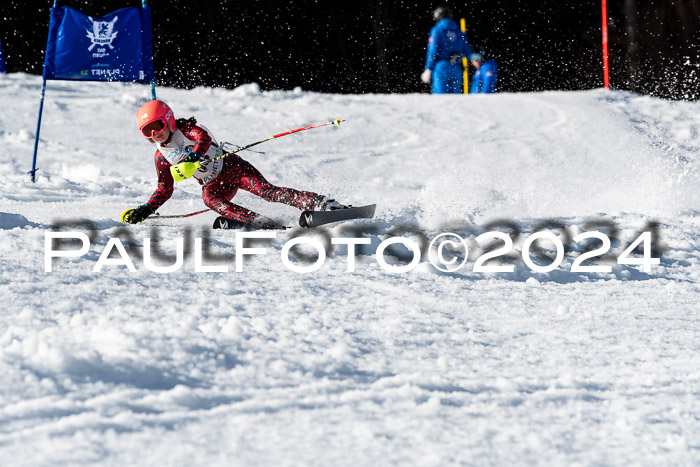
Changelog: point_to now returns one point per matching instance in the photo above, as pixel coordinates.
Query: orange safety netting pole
(606, 68)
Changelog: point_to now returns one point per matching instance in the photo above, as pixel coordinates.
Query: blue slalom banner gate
(3, 68)
(115, 47)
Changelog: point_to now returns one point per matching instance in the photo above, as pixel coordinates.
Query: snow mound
(247, 90)
(12, 221)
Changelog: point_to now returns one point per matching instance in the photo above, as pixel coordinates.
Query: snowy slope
(268, 366)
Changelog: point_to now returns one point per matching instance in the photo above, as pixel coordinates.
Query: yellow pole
(465, 62)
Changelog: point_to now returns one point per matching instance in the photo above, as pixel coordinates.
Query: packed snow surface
(268, 366)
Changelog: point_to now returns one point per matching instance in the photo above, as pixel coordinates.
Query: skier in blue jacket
(486, 74)
(446, 47)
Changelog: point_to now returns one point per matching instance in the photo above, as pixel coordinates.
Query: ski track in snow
(271, 367)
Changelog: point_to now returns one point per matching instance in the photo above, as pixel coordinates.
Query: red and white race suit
(220, 179)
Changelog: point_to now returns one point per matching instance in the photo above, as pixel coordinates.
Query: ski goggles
(154, 127)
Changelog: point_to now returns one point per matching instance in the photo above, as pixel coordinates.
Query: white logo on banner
(102, 34)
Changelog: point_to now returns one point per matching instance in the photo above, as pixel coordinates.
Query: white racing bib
(179, 146)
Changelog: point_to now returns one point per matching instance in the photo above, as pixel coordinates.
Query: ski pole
(178, 216)
(185, 170)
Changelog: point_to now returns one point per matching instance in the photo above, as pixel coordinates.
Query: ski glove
(134, 216)
(193, 156)
(425, 76)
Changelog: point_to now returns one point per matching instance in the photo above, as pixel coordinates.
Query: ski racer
(182, 140)
(446, 47)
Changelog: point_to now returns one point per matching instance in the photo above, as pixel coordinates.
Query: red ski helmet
(155, 111)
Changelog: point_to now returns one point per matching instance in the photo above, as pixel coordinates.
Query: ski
(307, 219)
(315, 218)
(226, 223)
(232, 224)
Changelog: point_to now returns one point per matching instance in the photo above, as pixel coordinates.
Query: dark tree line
(379, 45)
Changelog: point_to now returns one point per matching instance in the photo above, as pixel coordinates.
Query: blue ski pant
(447, 78)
